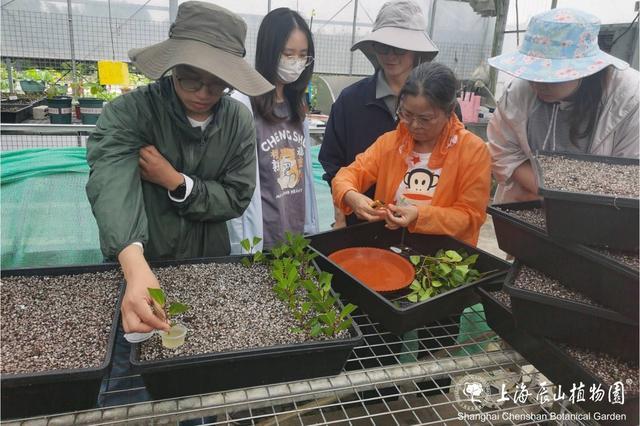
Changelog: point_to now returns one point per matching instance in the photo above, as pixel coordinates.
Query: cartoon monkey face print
(420, 185)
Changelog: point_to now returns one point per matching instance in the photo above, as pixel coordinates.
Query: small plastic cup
(174, 338)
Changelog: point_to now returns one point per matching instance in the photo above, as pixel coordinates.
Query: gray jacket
(615, 133)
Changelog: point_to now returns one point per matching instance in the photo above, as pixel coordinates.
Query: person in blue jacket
(367, 109)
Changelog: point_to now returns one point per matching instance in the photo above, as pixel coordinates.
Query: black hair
(275, 29)
(434, 81)
(586, 101)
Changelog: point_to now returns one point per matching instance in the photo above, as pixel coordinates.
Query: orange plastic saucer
(378, 269)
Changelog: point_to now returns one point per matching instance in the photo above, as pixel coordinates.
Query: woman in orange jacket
(434, 174)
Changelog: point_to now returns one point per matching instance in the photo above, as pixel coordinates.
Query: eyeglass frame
(421, 121)
(385, 49)
(221, 87)
(308, 59)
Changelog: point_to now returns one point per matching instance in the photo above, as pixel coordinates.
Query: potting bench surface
(385, 382)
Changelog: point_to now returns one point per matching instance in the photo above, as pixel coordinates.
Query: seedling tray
(591, 219)
(15, 111)
(572, 322)
(556, 364)
(401, 316)
(33, 394)
(189, 375)
(603, 279)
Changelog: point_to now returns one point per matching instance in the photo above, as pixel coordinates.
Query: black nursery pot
(572, 322)
(590, 219)
(601, 278)
(407, 316)
(34, 394)
(190, 375)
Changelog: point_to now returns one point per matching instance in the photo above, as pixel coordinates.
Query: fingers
(391, 225)
(149, 151)
(132, 324)
(147, 316)
(394, 219)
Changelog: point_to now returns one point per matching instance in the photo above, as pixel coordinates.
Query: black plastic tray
(591, 219)
(550, 360)
(572, 322)
(18, 116)
(33, 394)
(189, 375)
(408, 316)
(603, 279)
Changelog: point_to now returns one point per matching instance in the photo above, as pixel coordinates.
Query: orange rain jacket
(461, 197)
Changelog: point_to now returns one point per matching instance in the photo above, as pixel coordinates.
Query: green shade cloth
(46, 218)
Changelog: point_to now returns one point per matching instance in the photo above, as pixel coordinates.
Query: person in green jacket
(173, 161)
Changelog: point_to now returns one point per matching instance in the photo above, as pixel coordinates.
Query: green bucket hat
(208, 37)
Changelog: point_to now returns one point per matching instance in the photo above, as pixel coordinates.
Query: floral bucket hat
(559, 45)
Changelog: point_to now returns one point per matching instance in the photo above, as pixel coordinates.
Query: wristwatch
(180, 191)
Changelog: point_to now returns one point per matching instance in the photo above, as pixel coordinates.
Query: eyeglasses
(385, 49)
(308, 60)
(192, 85)
(421, 120)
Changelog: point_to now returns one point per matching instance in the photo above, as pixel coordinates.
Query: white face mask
(289, 70)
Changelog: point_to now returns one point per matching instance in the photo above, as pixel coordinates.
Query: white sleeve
(248, 225)
(189, 184)
(504, 136)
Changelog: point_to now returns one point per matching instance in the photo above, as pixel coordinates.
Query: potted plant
(59, 104)
(91, 107)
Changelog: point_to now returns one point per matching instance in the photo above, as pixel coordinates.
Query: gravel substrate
(55, 323)
(628, 258)
(536, 218)
(530, 279)
(566, 174)
(607, 368)
(533, 217)
(502, 297)
(232, 307)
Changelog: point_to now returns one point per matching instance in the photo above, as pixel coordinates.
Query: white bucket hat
(399, 24)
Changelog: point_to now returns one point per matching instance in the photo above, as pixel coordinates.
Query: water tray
(189, 375)
(33, 394)
(590, 219)
(572, 322)
(601, 278)
(393, 312)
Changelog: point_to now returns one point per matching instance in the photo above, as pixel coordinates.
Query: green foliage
(441, 273)
(250, 247)
(137, 80)
(174, 308)
(98, 91)
(302, 288)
